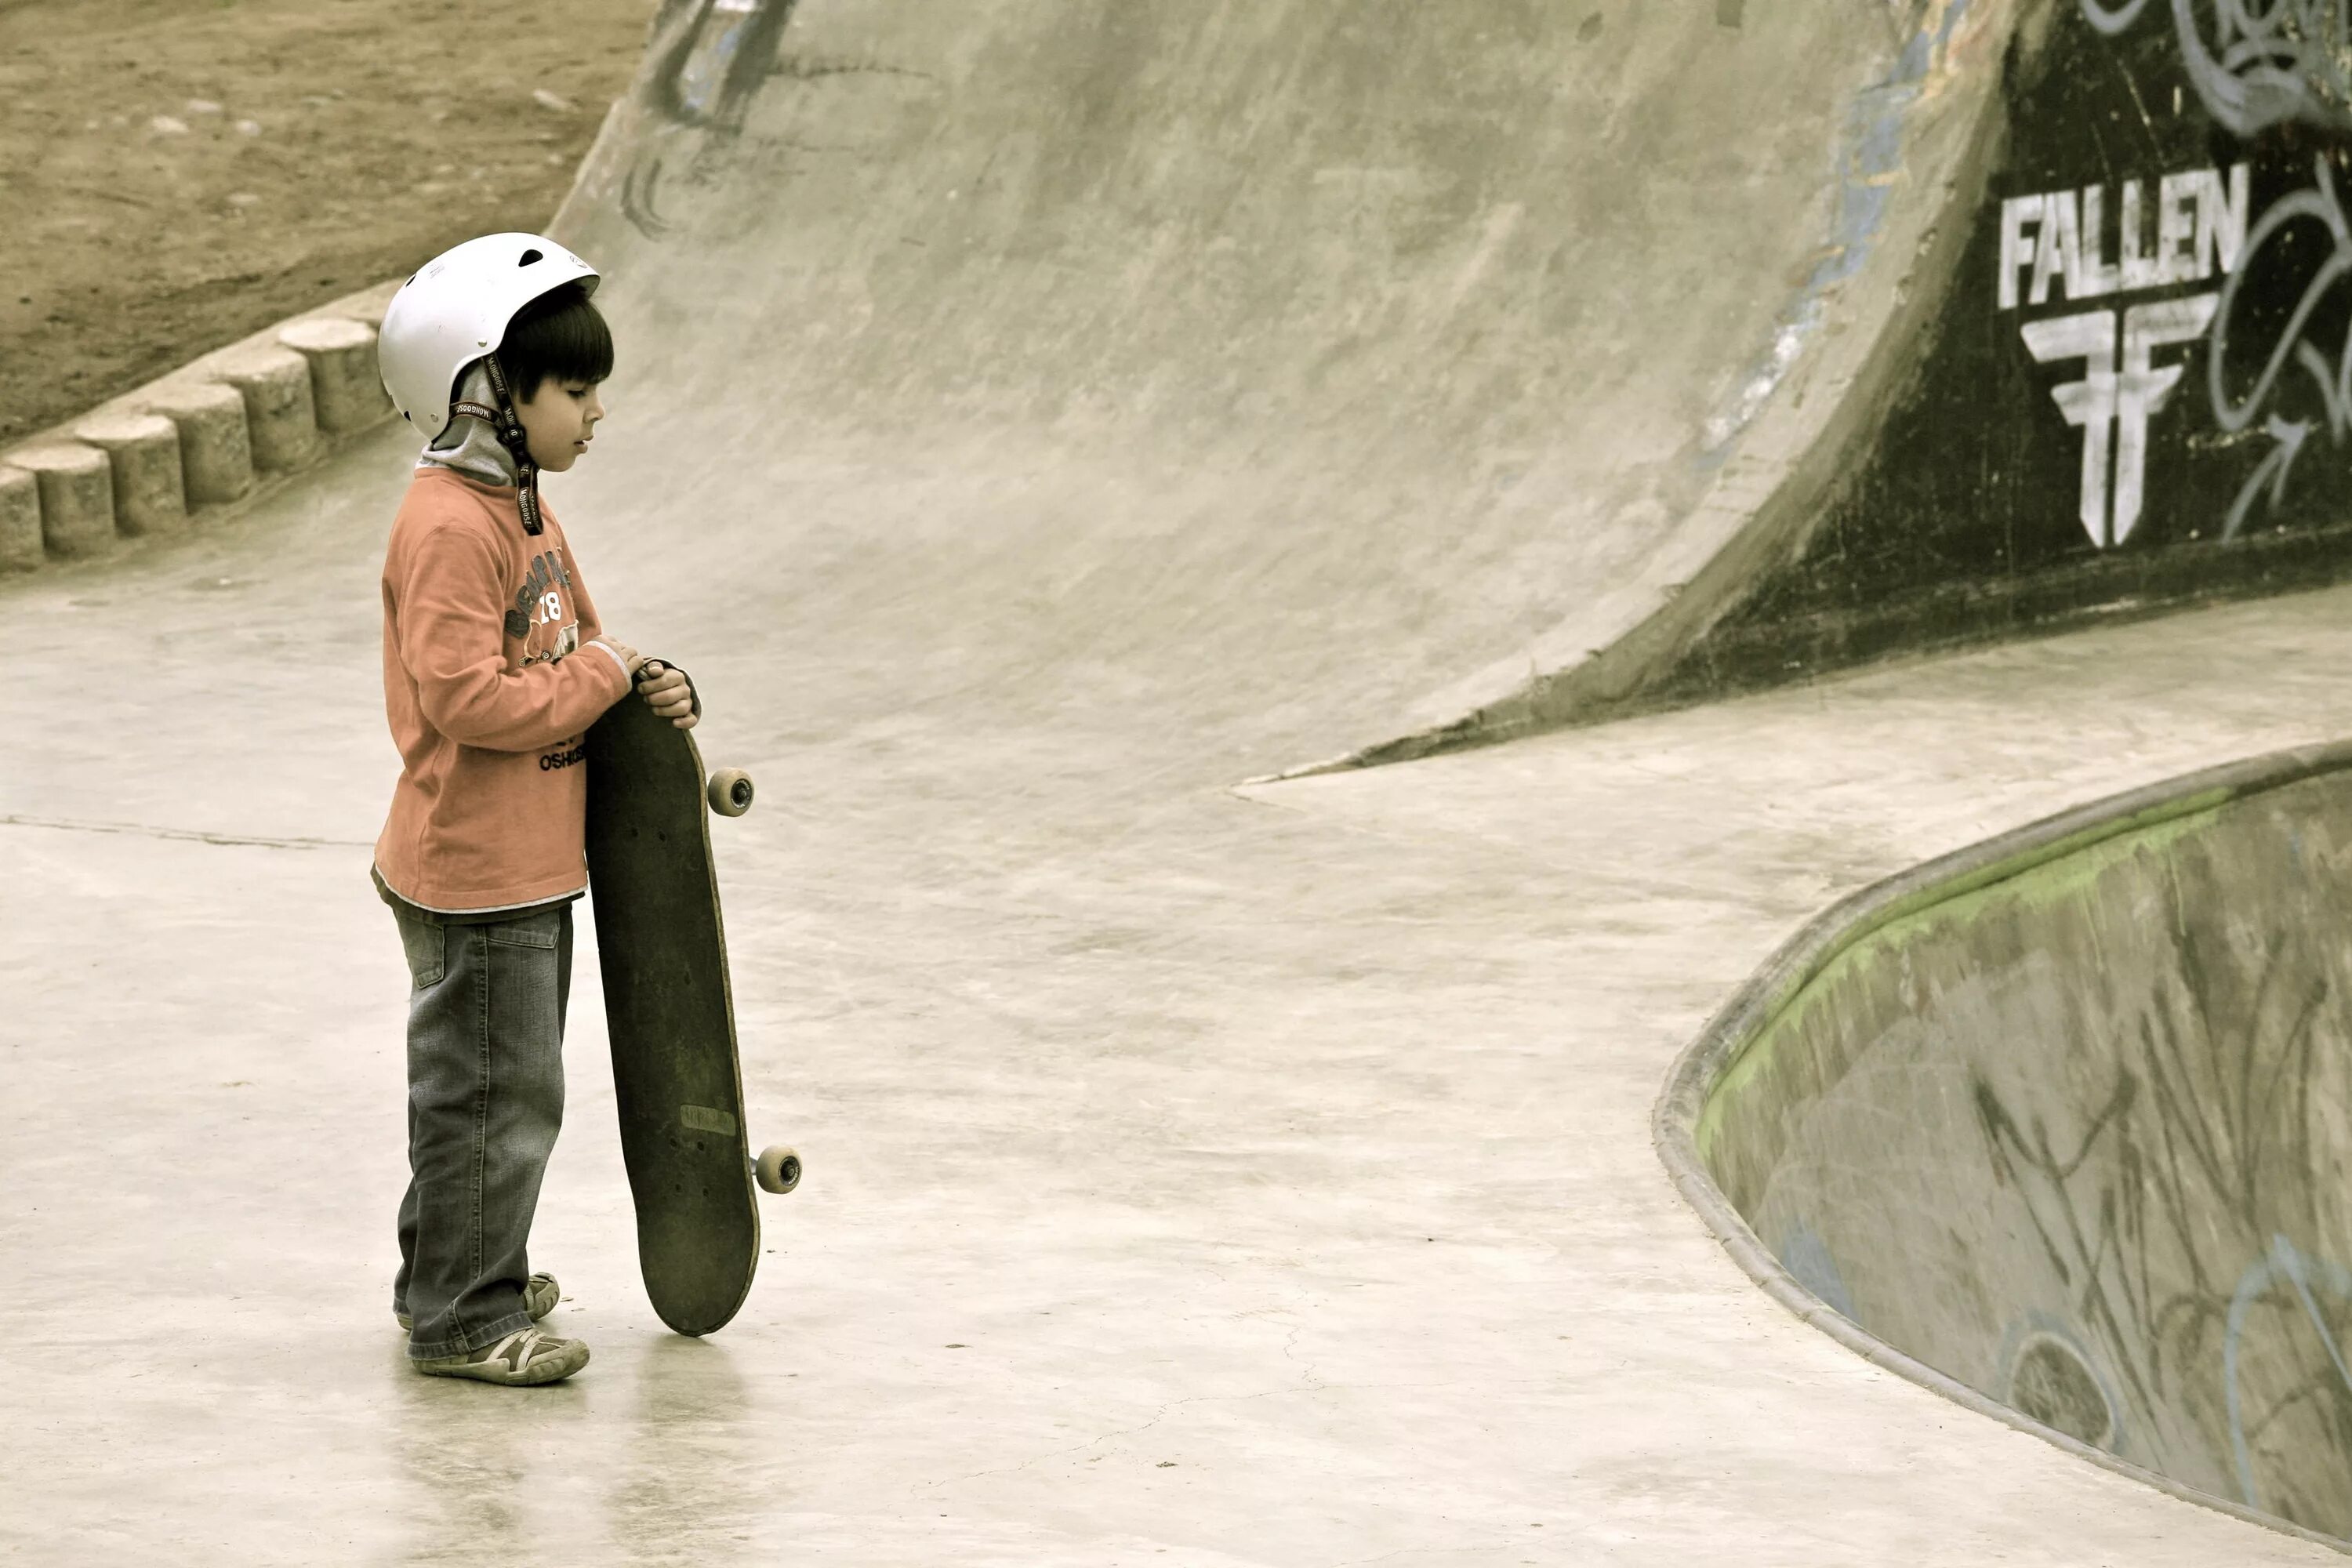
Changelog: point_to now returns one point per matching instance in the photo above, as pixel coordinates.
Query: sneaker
(524, 1359)
(539, 1296)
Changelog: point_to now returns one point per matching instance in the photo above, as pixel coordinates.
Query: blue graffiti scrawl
(2284, 1272)
(710, 57)
(708, 61)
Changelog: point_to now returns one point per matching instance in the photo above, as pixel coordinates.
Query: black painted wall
(1959, 518)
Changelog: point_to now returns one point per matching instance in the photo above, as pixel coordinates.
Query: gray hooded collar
(471, 446)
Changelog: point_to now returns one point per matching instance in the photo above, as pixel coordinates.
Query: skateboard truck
(778, 1167)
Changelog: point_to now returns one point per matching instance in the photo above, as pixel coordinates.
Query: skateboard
(671, 1015)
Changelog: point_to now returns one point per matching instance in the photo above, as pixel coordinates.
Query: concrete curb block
(77, 491)
(20, 520)
(1675, 1118)
(163, 458)
(215, 452)
(345, 388)
(281, 418)
(150, 495)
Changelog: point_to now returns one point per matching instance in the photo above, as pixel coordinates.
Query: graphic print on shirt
(542, 618)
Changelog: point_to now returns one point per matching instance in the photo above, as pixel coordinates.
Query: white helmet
(457, 309)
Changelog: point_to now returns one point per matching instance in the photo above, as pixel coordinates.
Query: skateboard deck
(663, 951)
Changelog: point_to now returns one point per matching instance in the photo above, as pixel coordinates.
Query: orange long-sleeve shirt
(487, 700)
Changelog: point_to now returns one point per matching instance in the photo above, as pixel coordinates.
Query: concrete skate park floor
(1195, 1174)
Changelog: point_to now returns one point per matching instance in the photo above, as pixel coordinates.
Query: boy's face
(559, 419)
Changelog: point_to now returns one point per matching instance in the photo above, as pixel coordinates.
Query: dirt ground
(175, 174)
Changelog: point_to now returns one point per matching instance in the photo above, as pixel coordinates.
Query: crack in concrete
(1158, 1417)
(815, 69)
(1499, 1543)
(190, 835)
(1309, 1389)
(1290, 1353)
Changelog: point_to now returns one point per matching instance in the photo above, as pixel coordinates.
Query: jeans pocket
(533, 931)
(427, 955)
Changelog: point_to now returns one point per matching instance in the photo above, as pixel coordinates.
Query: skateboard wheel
(730, 792)
(778, 1168)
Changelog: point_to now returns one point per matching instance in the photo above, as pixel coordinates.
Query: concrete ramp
(2064, 1121)
(1324, 370)
(2120, 384)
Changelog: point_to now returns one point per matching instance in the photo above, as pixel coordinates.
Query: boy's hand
(630, 659)
(668, 692)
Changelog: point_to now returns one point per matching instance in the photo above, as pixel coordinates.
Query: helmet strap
(513, 437)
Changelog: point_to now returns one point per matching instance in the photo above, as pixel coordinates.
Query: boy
(494, 667)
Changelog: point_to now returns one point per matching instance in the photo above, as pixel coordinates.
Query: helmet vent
(529, 257)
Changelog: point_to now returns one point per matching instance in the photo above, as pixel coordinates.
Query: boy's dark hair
(561, 335)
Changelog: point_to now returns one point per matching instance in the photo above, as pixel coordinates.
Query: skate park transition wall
(2059, 1125)
(2132, 388)
(1409, 347)
(2140, 388)
(1925, 321)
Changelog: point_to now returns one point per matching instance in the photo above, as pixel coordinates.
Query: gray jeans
(485, 1099)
